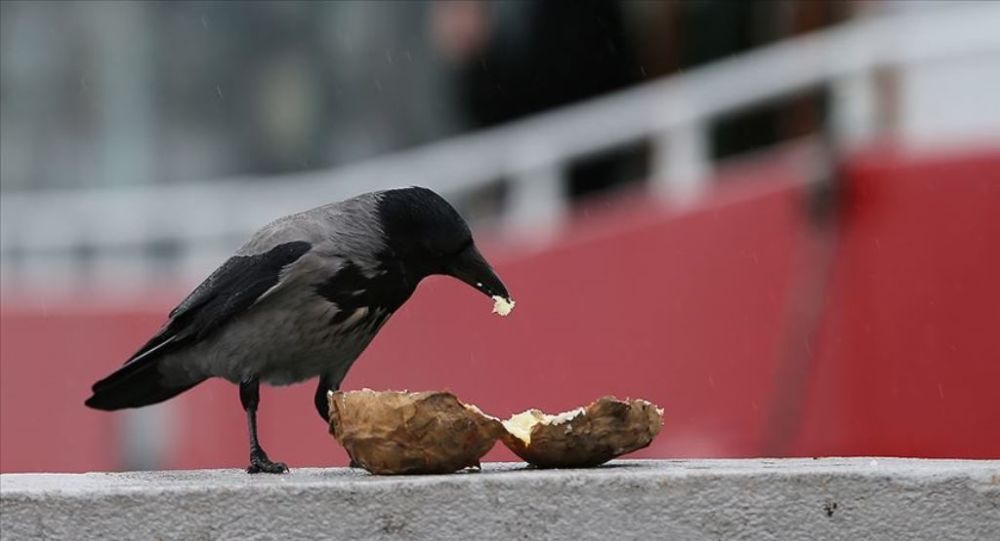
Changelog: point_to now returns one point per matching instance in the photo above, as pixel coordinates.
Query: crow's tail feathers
(140, 382)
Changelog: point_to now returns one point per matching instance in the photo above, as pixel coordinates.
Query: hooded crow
(302, 299)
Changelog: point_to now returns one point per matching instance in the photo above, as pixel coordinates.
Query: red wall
(685, 307)
(909, 357)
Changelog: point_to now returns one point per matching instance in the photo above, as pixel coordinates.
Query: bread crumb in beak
(502, 306)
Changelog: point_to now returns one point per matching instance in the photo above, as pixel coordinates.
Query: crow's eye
(439, 252)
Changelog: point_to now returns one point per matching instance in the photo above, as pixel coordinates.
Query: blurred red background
(704, 310)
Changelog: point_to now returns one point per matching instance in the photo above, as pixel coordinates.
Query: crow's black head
(428, 236)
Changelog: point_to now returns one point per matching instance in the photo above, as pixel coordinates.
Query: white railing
(44, 233)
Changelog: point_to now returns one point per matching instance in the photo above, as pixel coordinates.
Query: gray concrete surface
(855, 499)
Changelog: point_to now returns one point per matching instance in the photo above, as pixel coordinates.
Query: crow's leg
(250, 398)
(323, 406)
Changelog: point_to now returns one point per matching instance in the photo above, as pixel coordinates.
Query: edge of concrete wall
(830, 498)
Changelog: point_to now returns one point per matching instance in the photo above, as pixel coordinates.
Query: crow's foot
(259, 463)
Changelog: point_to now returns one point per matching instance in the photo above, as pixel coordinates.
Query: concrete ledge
(860, 498)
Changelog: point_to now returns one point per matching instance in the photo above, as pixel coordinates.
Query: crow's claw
(259, 463)
(267, 467)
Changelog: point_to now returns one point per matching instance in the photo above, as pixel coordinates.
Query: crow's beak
(470, 267)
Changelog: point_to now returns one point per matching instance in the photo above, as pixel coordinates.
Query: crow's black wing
(232, 288)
